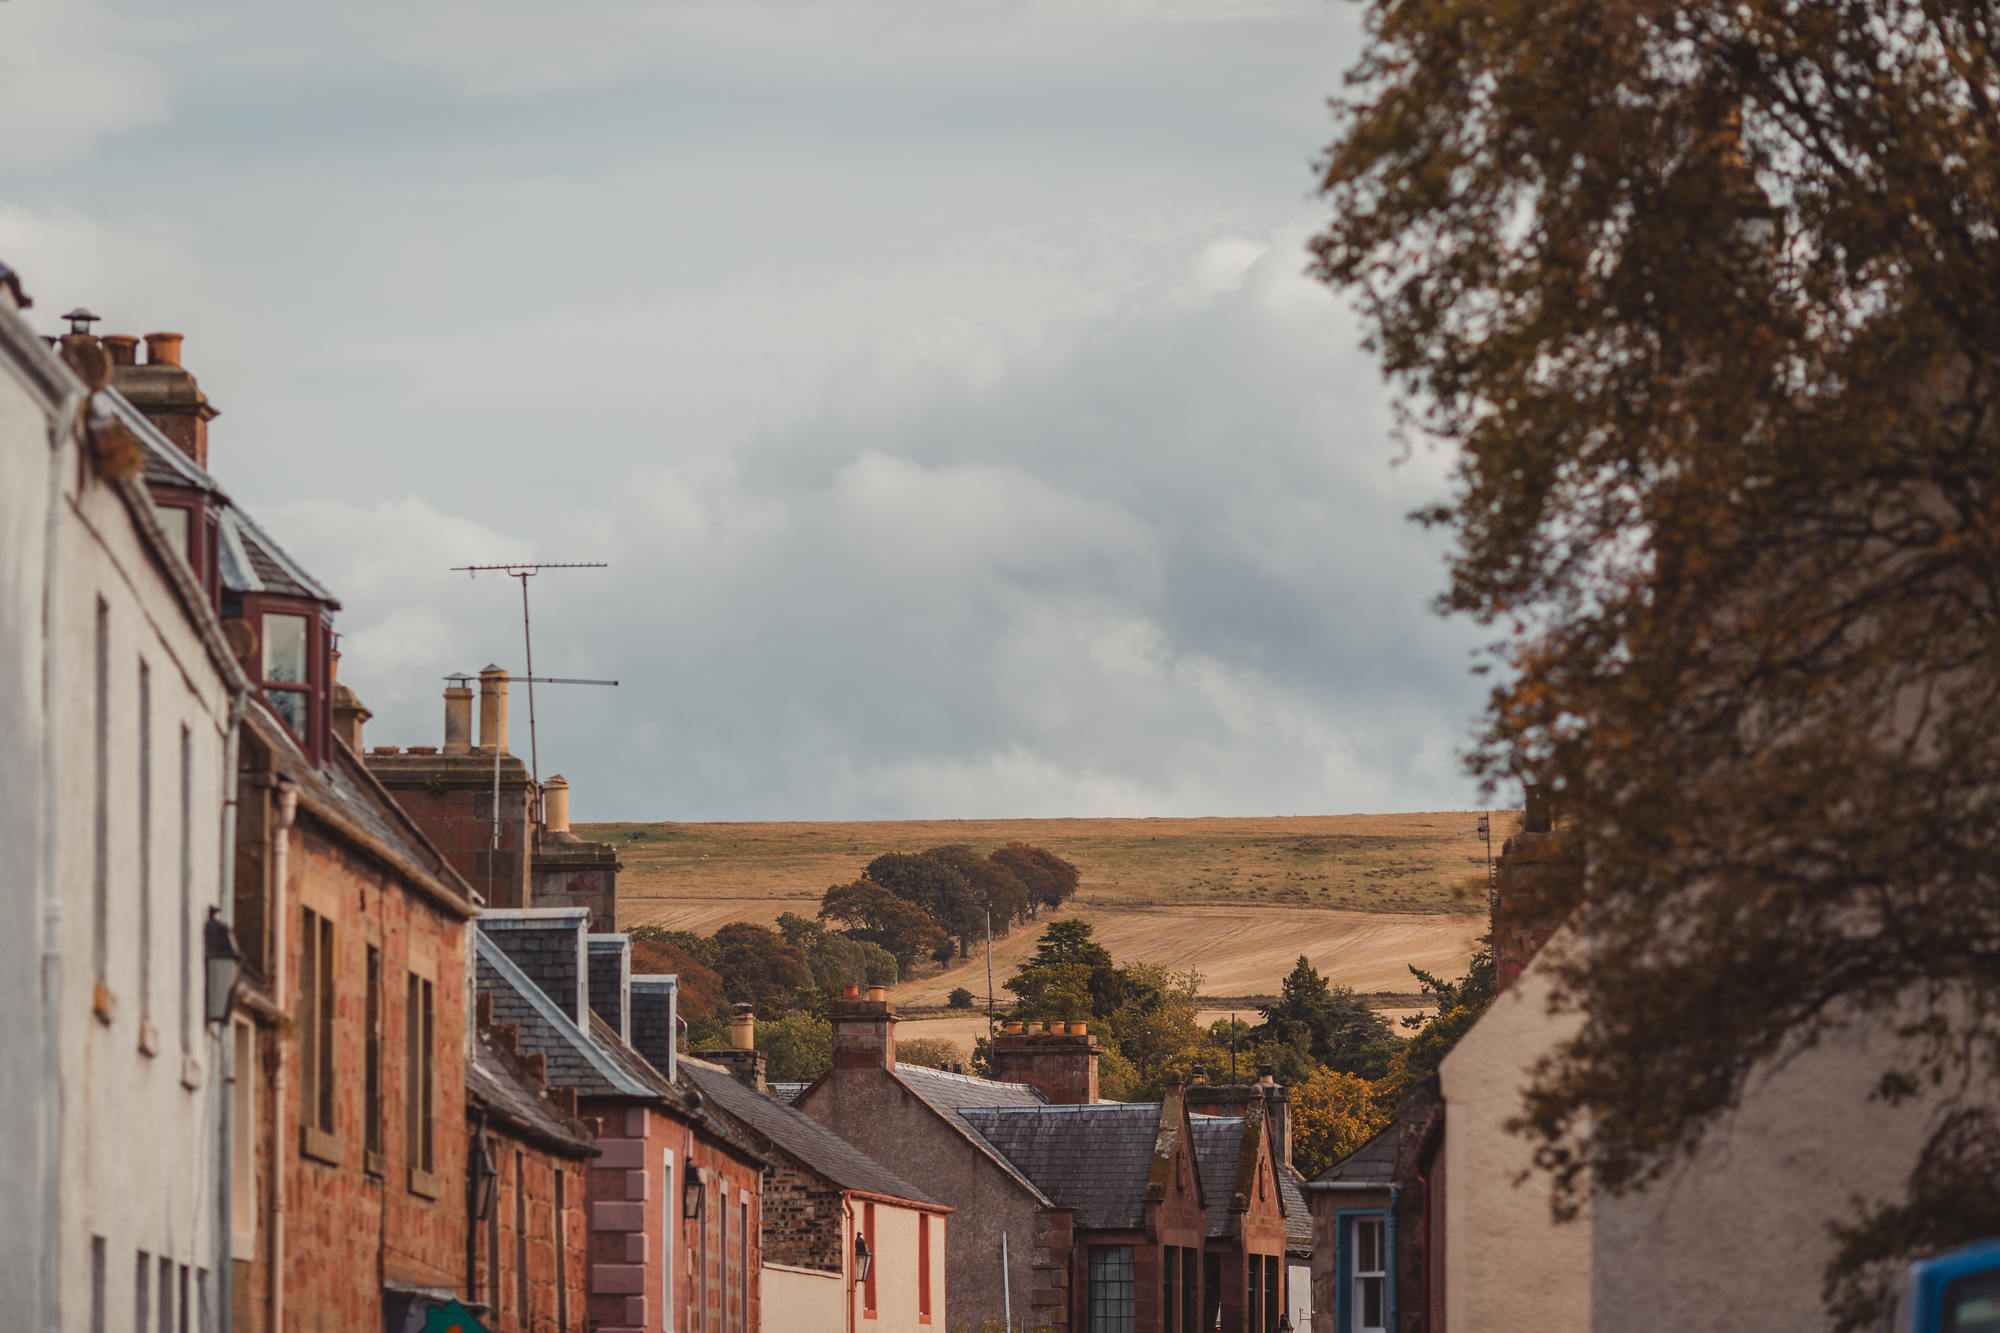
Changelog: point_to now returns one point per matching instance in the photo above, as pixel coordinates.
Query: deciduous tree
(1700, 296)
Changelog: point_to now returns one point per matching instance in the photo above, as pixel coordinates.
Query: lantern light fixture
(692, 1192)
(223, 961)
(864, 1258)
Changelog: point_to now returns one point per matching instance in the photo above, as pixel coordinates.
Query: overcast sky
(940, 381)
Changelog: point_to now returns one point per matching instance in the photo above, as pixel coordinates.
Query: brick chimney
(864, 1030)
(163, 390)
(348, 715)
(655, 1017)
(742, 1058)
(1061, 1061)
(611, 981)
(1275, 1098)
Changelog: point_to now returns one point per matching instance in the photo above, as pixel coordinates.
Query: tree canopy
(874, 914)
(1700, 298)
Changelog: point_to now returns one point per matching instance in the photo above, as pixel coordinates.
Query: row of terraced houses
(309, 1034)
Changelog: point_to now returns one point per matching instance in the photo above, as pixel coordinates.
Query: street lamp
(692, 1192)
(224, 965)
(485, 1182)
(864, 1259)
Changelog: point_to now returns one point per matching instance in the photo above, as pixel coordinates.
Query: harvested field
(1362, 896)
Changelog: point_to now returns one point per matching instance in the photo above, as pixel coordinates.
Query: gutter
(48, 1266)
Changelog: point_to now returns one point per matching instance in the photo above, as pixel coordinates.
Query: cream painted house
(120, 703)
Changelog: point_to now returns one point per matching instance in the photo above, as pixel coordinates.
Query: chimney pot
(851, 993)
(878, 993)
(555, 805)
(124, 348)
(743, 1028)
(1267, 1074)
(163, 349)
(458, 716)
(493, 710)
(1199, 1074)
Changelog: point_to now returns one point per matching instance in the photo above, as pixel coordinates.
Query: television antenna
(524, 572)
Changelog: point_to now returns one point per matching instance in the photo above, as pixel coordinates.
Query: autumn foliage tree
(872, 913)
(1049, 880)
(1701, 298)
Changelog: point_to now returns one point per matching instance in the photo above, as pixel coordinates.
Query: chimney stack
(1062, 1062)
(493, 710)
(458, 716)
(163, 390)
(611, 981)
(745, 1063)
(348, 715)
(864, 1031)
(655, 1010)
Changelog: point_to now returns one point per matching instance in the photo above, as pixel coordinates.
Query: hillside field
(1363, 896)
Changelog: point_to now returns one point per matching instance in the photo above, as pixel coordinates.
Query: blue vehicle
(1957, 1292)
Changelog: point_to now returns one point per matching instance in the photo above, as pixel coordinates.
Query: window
(420, 1075)
(924, 1267)
(728, 1259)
(1189, 1290)
(521, 1235)
(493, 1251)
(1253, 1294)
(1273, 1302)
(243, 1142)
(1211, 1286)
(561, 1235)
(166, 1295)
(316, 1003)
(145, 853)
(287, 669)
(187, 891)
(142, 1301)
(1367, 1288)
(371, 1063)
(174, 520)
(868, 1230)
(670, 1227)
(743, 1268)
(1111, 1289)
(97, 1284)
(100, 887)
(1972, 1304)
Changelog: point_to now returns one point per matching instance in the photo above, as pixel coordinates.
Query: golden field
(1239, 900)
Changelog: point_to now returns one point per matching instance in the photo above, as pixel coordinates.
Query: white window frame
(1378, 1224)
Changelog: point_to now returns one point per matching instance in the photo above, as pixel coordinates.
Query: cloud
(68, 78)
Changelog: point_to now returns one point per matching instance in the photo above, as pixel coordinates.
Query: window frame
(319, 1102)
(316, 689)
(1102, 1287)
(923, 1268)
(1348, 1256)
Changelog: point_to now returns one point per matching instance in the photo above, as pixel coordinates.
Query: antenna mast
(524, 573)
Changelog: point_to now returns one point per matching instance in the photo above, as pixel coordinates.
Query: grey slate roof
(1218, 1144)
(950, 1094)
(1095, 1159)
(489, 1083)
(1373, 1163)
(811, 1144)
(573, 1059)
(787, 1092)
(1298, 1219)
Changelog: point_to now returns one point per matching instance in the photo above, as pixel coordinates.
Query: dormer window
(292, 667)
(190, 524)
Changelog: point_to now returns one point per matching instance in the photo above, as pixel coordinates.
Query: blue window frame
(1364, 1250)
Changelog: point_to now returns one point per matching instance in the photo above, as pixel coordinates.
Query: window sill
(374, 1164)
(319, 1145)
(425, 1185)
(149, 1039)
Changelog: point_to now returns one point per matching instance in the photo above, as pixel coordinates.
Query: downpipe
(288, 807)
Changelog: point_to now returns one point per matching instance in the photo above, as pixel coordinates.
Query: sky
(941, 382)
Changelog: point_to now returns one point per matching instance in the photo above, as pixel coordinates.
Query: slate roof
(490, 1084)
(1095, 1159)
(787, 1092)
(1298, 1218)
(1218, 1143)
(1373, 1163)
(811, 1144)
(951, 1094)
(248, 559)
(574, 1060)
